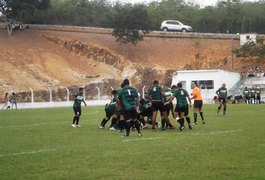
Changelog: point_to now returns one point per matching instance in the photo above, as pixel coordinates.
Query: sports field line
(29, 152)
(215, 132)
(142, 139)
(28, 125)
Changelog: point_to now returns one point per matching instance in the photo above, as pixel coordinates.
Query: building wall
(218, 76)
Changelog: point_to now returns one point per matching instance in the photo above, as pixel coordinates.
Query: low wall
(36, 105)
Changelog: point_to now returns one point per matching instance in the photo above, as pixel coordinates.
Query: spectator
(13, 100)
(5, 101)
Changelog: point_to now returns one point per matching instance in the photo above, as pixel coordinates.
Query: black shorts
(130, 115)
(158, 105)
(182, 109)
(198, 104)
(168, 107)
(222, 100)
(147, 112)
(109, 113)
(77, 110)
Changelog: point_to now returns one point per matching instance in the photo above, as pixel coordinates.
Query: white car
(172, 25)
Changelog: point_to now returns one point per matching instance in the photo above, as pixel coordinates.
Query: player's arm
(84, 102)
(189, 99)
(193, 95)
(170, 99)
(137, 105)
(217, 92)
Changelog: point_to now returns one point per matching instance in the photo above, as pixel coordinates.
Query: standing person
(252, 95)
(246, 96)
(258, 95)
(155, 94)
(13, 100)
(120, 111)
(78, 99)
(222, 94)
(110, 111)
(128, 97)
(145, 108)
(182, 106)
(168, 106)
(198, 103)
(5, 101)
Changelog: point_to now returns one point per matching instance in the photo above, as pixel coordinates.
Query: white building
(247, 38)
(209, 81)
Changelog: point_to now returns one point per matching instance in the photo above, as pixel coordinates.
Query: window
(205, 84)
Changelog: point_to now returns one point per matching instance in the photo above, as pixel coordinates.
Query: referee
(196, 95)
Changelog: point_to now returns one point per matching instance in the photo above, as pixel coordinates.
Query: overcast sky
(200, 2)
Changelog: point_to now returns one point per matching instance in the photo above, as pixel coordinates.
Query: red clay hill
(41, 59)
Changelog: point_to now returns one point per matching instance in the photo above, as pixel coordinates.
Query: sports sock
(121, 124)
(128, 127)
(74, 119)
(77, 120)
(201, 114)
(137, 125)
(163, 122)
(104, 121)
(195, 117)
(113, 122)
(188, 120)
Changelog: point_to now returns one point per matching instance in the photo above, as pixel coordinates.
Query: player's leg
(78, 117)
(219, 107)
(181, 120)
(186, 114)
(75, 117)
(113, 121)
(201, 112)
(224, 110)
(105, 119)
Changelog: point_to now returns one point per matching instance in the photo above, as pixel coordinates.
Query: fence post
(50, 94)
(143, 91)
(98, 93)
(32, 95)
(68, 93)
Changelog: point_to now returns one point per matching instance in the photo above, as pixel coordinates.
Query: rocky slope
(41, 59)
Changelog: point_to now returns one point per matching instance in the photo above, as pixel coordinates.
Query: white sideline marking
(30, 152)
(142, 139)
(25, 125)
(216, 132)
(225, 132)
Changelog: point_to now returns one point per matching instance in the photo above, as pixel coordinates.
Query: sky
(202, 3)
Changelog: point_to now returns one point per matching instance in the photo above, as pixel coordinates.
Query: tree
(19, 9)
(252, 49)
(130, 23)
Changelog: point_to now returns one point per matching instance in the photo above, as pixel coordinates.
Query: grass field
(41, 144)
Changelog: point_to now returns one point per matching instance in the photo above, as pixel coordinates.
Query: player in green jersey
(155, 94)
(246, 95)
(145, 108)
(258, 95)
(78, 99)
(168, 105)
(182, 106)
(252, 95)
(110, 111)
(222, 97)
(128, 97)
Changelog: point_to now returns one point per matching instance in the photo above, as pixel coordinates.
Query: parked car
(15, 24)
(172, 25)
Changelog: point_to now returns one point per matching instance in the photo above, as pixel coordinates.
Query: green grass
(41, 144)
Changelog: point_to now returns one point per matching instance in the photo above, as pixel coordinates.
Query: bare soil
(42, 59)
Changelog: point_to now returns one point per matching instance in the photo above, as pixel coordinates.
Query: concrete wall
(69, 104)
